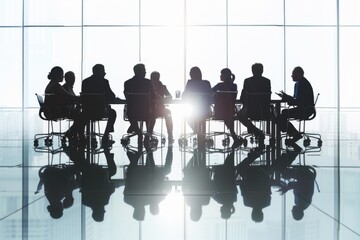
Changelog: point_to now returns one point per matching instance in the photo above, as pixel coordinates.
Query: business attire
(303, 102)
(229, 122)
(138, 84)
(160, 110)
(100, 85)
(198, 93)
(254, 84)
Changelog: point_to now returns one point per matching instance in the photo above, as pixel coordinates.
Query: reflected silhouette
(197, 186)
(255, 184)
(146, 184)
(97, 185)
(59, 182)
(225, 189)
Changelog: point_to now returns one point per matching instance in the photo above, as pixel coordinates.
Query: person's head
(257, 69)
(154, 209)
(297, 74)
(99, 70)
(195, 73)
(155, 76)
(56, 74)
(139, 70)
(227, 75)
(226, 211)
(56, 210)
(70, 78)
(257, 215)
(297, 212)
(139, 213)
(98, 213)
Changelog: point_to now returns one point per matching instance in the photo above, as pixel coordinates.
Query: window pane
(162, 12)
(206, 12)
(162, 50)
(249, 45)
(256, 12)
(112, 12)
(349, 66)
(46, 48)
(310, 12)
(206, 48)
(349, 12)
(10, 12)
(11, 71)
(314, 49)
(116, 48)
(52, 12)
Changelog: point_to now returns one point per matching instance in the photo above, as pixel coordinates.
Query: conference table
(277, 103)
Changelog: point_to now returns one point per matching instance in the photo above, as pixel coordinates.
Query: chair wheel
(163, 140)
(306, 142)
(48, 142)
(245, 143)
(209, 142)
(125, 141)
(319, 143)
(252, 140)
(36, 143)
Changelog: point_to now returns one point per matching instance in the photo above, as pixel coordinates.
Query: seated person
(198, 93)
(303, 100)
(69, 87)
(139, 84)
(97, 83)
(161, 92)
(58, 100)
(227, 84)
(255, 84)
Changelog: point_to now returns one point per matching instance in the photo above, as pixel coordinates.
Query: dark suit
(140, 85)
(100, 85)
(201, 105)
(254, 84)
(303, 100)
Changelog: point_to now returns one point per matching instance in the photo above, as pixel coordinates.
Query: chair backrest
(139, 107)
(224, 105)
(258, 106)
(93, 106)
(310, 111)
(40, 99)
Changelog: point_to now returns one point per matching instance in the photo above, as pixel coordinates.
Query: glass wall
(172, 36)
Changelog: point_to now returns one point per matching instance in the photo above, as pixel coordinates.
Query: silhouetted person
(162, 94)
(198, 93)
(139, 84)
(227, 84)
(255, 185)
(159, 187)
(303, 102)
(97, 185)
(69, 82)
(225, 186)
(97, 83)
(137, 189)
(59, 183)
(255, 84)
(197, 187)
(58, 100)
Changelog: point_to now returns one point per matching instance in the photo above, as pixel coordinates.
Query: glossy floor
(174, 200)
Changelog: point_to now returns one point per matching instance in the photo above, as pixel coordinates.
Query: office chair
(93, 106)
(307, 135)
(259, 110)
(50, 114)
(223, 110)
(139, 108)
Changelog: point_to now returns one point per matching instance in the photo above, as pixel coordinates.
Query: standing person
(58, 100)
(303, 102)
(162, 93)
(97, 83)
(198, 93)
(255, 84)
(139, 84)
(227, 84)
